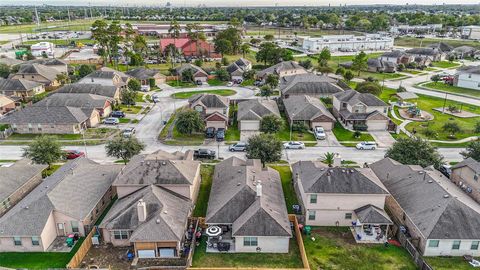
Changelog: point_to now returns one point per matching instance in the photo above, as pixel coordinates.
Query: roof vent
(164, 163)
(430, 181)
(238, 184)
(446, 196)
(165, 212)
(322, 169)
(420, 172)
(157, 221)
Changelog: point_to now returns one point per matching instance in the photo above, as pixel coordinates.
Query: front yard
(440, 86)
(345, 135)
(170, 135)
(445, 64)
(131, 109)
(335, 248)
(221, 92)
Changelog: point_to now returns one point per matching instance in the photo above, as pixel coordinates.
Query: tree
(324, 57)
(329, 159)
(266, 91)
(245, 49)
(435, 78)
(198, 62)
(136, 59)
(4, 71)
(265, 147)
(271, 123)
(324, 69)
(307, 64)
(359, 63)
(369, 87)
(233, 36)
(472, 151)
(127, 97)
(114, 39)
(63, 78)
(340, 71)
(272, 80)
(348, 75)
(268, 37)
(223, 75)
(134, 85)
(223, 46)
(44, 150)
(189, 121)
(84, 70)
(187, 75)
(124, 148)
(415, 151)
(100, 34)
(249, 74)
(452, 128)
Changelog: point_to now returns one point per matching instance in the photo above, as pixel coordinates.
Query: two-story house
(362, 111)
(308, 84)
(212, 108)
(468, 77)
(37, 73)
(237, 68)
(466, 175)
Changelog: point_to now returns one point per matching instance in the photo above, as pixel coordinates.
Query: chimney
(337, 160)
(141, 210)
(259, 188)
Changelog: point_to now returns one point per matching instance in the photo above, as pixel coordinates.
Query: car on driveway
(238, 147)
(210, 132)
(220, 136)
(294, 145)
(320, 133)
(128, 132)
(155, 99)
(229, 84)
(111, 121)
(117, 114)
(366, 146)
(73, 154)
(446, 170)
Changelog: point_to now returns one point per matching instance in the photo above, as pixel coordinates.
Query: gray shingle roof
(353, 97)
(469, 69)
(464, 49)
(240, 65)
(167, 215)
(15, 176)
(424, 51)
(370, 214)
(143, 73)
(255, 109)
(282, 66)
(469, 162)
(73, 190)
(406, 95)
(17, 85)
(10, 61)
(48, 62)
(394, 53)
(233, 199)
(316, 177)
(359, 116)
(438, 208)
(195, 69)
(159, 169)
(45, 71)
(96, 89)
(305, 108)
(210, 100)
(48, 115)
(443, 47)
(308, 84)
(74, 100)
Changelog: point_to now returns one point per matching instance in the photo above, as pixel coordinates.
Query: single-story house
(434, 54)
(247, 206)
(67, 202)
(94, 89)
(422, 61)
(285, 68)
(106, 77)
(144, 75)
(442, 47)
(438, 217)
(464, 52)
(37, 73)
(308, 84)
(309, 110)
(6, 104)
(237, 68)
(55, 63)
(52, 120)
(177, 172)
(17, 180)
(396, 57)
(102, 104)
(20, 88)
(251, 112)
(153, 219)
(212, 108)
(199, 75)
(466, 175)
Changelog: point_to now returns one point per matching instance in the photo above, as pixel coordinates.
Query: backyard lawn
(448, 263)
(221, 92)
(288, 191)
(206, 171)
(440, 86)
(335, 248)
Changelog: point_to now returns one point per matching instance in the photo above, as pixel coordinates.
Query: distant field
(60, 41)
(424, 42)
(261, 31)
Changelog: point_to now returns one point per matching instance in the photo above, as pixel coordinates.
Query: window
(17, 240)
(311, 215)
(456, 244)
(35, 241)
(313, 198)
(74, 226)
(120, 235)
(348, 215)
(475, 177)
(250, 241)
(474, 245)
(433, 243)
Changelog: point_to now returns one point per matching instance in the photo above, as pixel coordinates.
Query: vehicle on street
(73, 154)
(210, 132)
(294, 145)
(366, 146)
(320, 133)
(117, 114)
(220, 136)
(204, 153)
(238, 147)
(128, 132)
(111, 121)
(446, 170)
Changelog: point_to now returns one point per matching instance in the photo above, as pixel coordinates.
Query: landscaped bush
(299, 127)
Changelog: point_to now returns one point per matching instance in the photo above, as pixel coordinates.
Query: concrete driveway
(246, 134)
(383, 138)
(330, 140)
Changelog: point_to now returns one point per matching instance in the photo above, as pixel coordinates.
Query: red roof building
(190, 48)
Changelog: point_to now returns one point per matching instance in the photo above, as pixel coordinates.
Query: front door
(60, 229)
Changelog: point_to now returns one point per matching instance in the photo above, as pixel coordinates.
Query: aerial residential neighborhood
(217, 135)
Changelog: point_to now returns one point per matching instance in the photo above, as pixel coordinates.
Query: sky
(237, 3)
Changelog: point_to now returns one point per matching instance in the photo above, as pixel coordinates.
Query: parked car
(210, 132)
(220, 135)
(294, 145)
(446, 170)
(128, 132)
(240, 146)
(117, 114)
(366, 146)
(111, 121)
(73, 154)
(320, 133)
(204, 153)
(155, 99)
(229, 84)
(199, 82)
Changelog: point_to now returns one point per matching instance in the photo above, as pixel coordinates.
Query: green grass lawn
(343, 134)
(412, 71)
(17, 136)
(424, 42)
(221, 92)
(247, 83)
(288, 191)
(139, 97)
(440, 86)
(215, 82)
(242, 260)
(206, 171)
(179, 138)
(130, 109)
(335, 248)
(445, 64)
(124, 120)
(448, 263)
(380, 76)
(181, 84)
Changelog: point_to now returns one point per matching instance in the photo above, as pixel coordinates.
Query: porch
(371, 225)
(60, 245)
(219, 239)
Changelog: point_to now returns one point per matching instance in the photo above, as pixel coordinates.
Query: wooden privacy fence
(414, 253)
(82, 251)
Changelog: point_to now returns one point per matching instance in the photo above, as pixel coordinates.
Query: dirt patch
(340, 234)
(107, 255)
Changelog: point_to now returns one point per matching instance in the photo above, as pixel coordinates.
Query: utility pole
(36, 17)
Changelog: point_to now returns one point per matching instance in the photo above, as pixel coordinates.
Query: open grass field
(221, 92)
(423, 42)
(440, 86)
(287, 185)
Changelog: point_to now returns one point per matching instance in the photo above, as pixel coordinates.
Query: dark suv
(210, 132)
(220, 135)
(118, 114)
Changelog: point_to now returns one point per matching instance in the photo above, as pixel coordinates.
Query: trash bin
(308, 229)
(70, 242)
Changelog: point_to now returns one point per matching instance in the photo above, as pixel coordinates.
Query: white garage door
(377, 125)
(325, 125)
(249, 125)
(149, 253)
(166, 252)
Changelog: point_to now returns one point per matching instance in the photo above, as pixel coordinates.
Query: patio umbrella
(214, 231)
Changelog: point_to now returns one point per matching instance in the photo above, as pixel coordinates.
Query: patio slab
(60, 245)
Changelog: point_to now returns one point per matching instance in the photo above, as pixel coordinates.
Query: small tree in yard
(272, 80)
(340, 71)
(124, 148)
(271, 123)
(266, 91)
(223, 75)
(360, 61)
(198, 62)
(329, 158)
(134, 85)
(4, 71)
(128, 97)
(249, 74)
(435, 78)
(44, 150)
(472, 151)
(452, 128)
(265, 147)
(187, 75)
(84, 70)
(324, 57)
(189, 121)
(348, 75)
(324, 69)
(415, 151)
(369, 87)
(152, 82)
